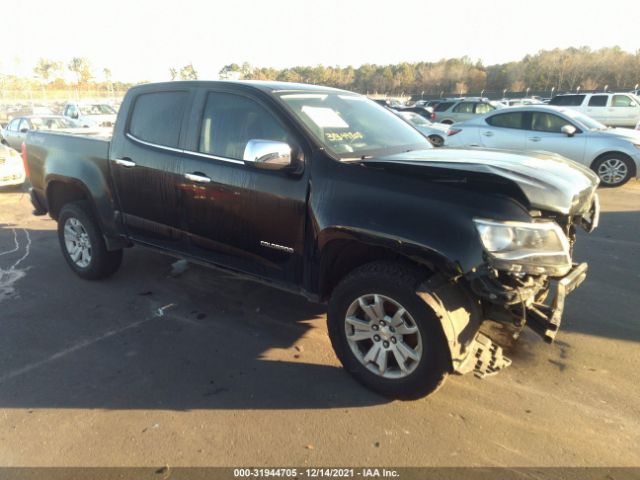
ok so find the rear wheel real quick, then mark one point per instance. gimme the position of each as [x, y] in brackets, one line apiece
[82, 244]
[614, 169]
[385, 335]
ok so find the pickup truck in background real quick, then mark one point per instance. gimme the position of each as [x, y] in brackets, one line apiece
[325, 193]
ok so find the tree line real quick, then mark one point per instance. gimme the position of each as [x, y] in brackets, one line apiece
[557, 69]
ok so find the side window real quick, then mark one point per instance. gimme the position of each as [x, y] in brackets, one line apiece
[507, 120]
[441, 107]
[547, 122]
[13, 126]
[464, 107]
[230, 121]
[483, 108]
[598, 101]
[567, 100]
[622, 101]
[157, 117]
[24, 124]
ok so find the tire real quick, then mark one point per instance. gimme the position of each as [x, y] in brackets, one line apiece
[613, 169]
[80, 236]
[393, 287]
[436, 140]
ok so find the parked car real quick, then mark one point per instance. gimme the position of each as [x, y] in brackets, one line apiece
[614, 153]
[90, 114]
[323, 192]
[425, 112]
[460, 110]
[435, 132]
[11, 167]
[613, 109]
[17, 130]
[388, 102]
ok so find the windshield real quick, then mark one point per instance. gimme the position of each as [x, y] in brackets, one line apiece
[97, 109]
[352, 126]
[53, 123]
[585, 121]
[416, 119]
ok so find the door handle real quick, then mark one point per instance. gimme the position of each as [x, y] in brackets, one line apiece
[197, 177]
[535, 139]
[488, 134]
[125, 162]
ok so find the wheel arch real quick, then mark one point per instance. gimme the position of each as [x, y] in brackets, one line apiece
[63, 190]
[347, 251]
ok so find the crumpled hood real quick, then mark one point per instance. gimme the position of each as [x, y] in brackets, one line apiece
[549, 181]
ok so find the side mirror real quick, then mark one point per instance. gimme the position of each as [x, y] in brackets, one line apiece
[267, 154]
[568, 130]
[24, 130]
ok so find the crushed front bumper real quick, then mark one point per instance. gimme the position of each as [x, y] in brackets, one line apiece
[545, 319]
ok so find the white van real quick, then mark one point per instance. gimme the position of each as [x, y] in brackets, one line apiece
[614, 109]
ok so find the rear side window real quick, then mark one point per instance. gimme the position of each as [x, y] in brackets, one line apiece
[157, 117]
[507, 120]
[567, 100]
[483, 108]
[598, 101]
[441, 107]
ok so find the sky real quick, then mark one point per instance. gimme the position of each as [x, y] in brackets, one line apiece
[141, 40]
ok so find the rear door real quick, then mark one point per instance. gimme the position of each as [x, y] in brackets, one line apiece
[503, 130]
[237, 215]
[148, 169]
[544, 133]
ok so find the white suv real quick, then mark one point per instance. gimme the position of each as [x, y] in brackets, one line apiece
[614, 109]
[91, 114]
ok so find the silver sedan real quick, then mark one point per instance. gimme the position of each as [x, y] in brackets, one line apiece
[613, 153]
[435, 132]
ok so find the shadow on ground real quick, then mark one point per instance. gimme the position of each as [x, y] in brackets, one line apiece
[67, 343]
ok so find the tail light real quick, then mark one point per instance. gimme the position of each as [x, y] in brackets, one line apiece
[452, 131]
[23, 153]
[433, 116]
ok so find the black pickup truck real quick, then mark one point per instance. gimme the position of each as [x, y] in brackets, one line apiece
[325, 193]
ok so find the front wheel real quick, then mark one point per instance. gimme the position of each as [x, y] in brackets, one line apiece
[385, 335]
[614, 169]
[82, 244]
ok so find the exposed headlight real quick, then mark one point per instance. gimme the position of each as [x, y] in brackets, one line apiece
[539, 248]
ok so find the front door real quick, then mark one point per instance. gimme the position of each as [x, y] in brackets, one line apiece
[545, 134]
[237, 215]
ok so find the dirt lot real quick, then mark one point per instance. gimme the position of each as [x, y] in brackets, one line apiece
[234, 373]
